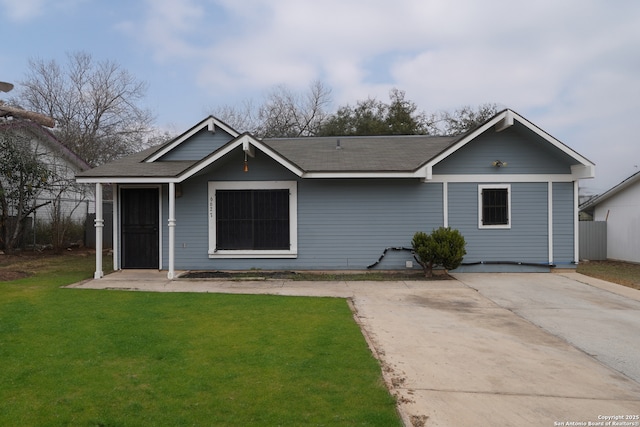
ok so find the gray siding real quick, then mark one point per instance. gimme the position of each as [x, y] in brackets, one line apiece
[524, 152]
[525, 241]
[347, 224]
[563, 224]
[342, 224]
[199, 145]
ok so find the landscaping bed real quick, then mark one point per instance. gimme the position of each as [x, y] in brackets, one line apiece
[386, 275]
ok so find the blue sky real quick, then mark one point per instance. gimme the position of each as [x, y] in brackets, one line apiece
[571, 66]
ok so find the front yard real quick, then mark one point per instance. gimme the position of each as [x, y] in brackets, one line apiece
[104, 358]
[623, 273]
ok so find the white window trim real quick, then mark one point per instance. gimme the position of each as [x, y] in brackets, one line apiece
[482, 187]
[292, 186]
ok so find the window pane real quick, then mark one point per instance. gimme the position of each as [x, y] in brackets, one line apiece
[495, 206]
[252, 219]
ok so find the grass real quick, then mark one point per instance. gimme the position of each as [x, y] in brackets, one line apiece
[73, 357]
[623, 273]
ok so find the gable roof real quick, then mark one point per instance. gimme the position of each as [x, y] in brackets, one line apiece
[393, 153]
[584, 168]
[46, 136]
[626, 183]
[210, 123]
[393, 156]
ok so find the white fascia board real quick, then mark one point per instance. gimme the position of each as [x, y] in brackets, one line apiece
[503, 178]
[346, 175]
[556, 143]
[594, 201]
[127, 180]
[583, 171]
[248, 142]
[503, 121]
[248, 148]
[213, 123]
[210, 123]
[464, 141]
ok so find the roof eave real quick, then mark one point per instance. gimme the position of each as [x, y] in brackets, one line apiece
[594, 201]
[505, 119]
[210, 123]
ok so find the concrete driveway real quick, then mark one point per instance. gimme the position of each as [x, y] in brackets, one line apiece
[485, 349]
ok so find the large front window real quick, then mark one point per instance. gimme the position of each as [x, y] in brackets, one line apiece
[252, 219]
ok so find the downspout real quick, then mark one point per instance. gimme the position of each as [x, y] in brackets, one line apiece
[99, 224]
[172, 229]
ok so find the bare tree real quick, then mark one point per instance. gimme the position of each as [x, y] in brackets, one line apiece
[283, 113]
[94, 104]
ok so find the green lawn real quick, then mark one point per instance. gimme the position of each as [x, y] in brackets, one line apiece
[71, 357]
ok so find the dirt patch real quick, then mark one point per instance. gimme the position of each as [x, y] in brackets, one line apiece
[239, 275]
[21, 264]
[388, 275]
[8, 275]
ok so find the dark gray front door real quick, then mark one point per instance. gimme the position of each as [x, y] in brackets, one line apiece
[140, 227]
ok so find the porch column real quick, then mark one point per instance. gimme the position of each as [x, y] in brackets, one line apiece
[116, 228]
[550, 220]
[576, 222]
[172, 229]
[99, 225]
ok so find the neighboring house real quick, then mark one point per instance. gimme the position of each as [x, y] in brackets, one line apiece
[620, 208]
[65, 196]
[215, 199]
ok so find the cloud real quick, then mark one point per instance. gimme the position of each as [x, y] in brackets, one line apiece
[23, 10]
[571, 66]
[171, 28]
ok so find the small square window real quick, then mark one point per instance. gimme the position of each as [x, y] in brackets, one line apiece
[494, 206]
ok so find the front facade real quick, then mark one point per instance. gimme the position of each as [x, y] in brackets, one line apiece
[214, 199]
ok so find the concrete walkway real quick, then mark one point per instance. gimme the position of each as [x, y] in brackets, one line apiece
[458, 355]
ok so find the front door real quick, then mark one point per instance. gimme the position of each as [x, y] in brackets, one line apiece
[140, 228]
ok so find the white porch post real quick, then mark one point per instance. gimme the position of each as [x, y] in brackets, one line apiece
[576, 222]
[172, 229]
[550, 220]
[99, 224]
[116, 228]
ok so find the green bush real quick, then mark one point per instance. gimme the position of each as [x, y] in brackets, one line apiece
[444, 247]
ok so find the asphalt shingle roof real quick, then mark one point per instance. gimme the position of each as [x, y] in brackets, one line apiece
[404, 153]
[360, 153]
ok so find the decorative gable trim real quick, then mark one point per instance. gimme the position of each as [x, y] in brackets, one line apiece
[247, 143]
[503, 120]
[210, 123]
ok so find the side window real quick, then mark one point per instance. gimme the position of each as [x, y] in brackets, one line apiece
[494, 206]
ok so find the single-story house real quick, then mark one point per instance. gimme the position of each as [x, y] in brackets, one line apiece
[620, 208]
[63, 196]
[217, 199]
